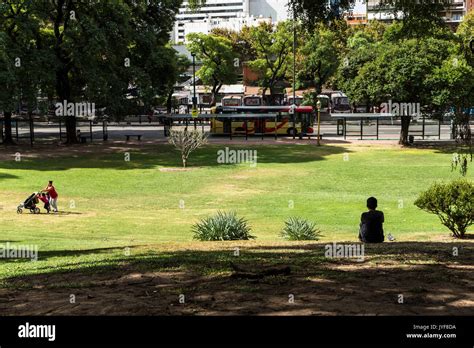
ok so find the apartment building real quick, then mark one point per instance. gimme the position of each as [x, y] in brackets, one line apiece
[453, 13]
[231, 14]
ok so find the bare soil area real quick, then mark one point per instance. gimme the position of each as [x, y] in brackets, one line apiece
[410, 278]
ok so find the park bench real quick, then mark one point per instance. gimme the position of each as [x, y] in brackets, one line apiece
[314, 135]
[128, 136]
[83, 138]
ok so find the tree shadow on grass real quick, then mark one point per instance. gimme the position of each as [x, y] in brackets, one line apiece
[45, 255]
[4, 176]
[441, 147]
[398, 251]
[431, 280]
[149, 157]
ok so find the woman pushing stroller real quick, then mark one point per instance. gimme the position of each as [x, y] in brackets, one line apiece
[48, 196]
[50, 191]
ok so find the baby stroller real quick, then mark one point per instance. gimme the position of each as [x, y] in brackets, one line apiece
[29, 203]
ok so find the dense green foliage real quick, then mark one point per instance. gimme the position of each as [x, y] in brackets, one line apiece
[273, 47]
[373, 64]
[217, 58]
[87, 51]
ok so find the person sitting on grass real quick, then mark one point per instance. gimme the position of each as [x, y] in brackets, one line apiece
[371, 224]
[45, 199]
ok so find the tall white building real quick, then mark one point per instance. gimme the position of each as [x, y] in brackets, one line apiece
[357, 14]
[231, 14]
[188, 21]
[275, 9]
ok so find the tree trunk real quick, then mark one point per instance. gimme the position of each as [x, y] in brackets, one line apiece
[169, 102]
[272, 96]
[463, 133]
[215, 92]
[213, 96]
[264, 95]
[32, 128]
[64, 93]
[319, 89]
[404, 130]
[71, 136]
[8, 138]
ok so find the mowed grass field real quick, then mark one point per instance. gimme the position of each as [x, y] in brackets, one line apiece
[108, 204]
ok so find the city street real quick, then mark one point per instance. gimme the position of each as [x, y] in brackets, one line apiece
[116, 132]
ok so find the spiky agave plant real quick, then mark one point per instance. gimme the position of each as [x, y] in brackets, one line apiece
[297, 228]
[222, 226]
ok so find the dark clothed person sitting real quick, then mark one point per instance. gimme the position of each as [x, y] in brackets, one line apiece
[371, 224]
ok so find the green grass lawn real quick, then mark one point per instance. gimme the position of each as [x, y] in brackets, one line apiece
[106, 202]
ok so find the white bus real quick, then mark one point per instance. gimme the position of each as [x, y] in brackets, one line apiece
[252, 100]
[231, 101]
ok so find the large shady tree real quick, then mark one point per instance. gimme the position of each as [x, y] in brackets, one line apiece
[401, 71]
[24, 60]
[93, 51]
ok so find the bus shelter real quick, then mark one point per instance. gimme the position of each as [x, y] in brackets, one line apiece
[53, 128]
[375, 120]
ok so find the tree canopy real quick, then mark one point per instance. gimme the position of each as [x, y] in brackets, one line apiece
[273, 46]
[217, 58]
[87, 51]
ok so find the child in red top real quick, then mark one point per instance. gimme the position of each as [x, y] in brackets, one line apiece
[45, 199]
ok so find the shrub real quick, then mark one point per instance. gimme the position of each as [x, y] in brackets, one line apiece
[453, 203]
[222, 226]
[300, 229]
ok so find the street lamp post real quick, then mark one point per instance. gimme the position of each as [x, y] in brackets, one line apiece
[294, 54]
[318, 106]
[194, 81]
[194, 112]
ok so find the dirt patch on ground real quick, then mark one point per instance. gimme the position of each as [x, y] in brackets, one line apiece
[394, 279]
[173, 170]
[58, 150]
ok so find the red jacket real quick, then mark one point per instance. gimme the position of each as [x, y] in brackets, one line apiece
[52, 192]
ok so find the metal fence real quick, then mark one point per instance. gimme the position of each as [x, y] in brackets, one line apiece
[25, 131]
